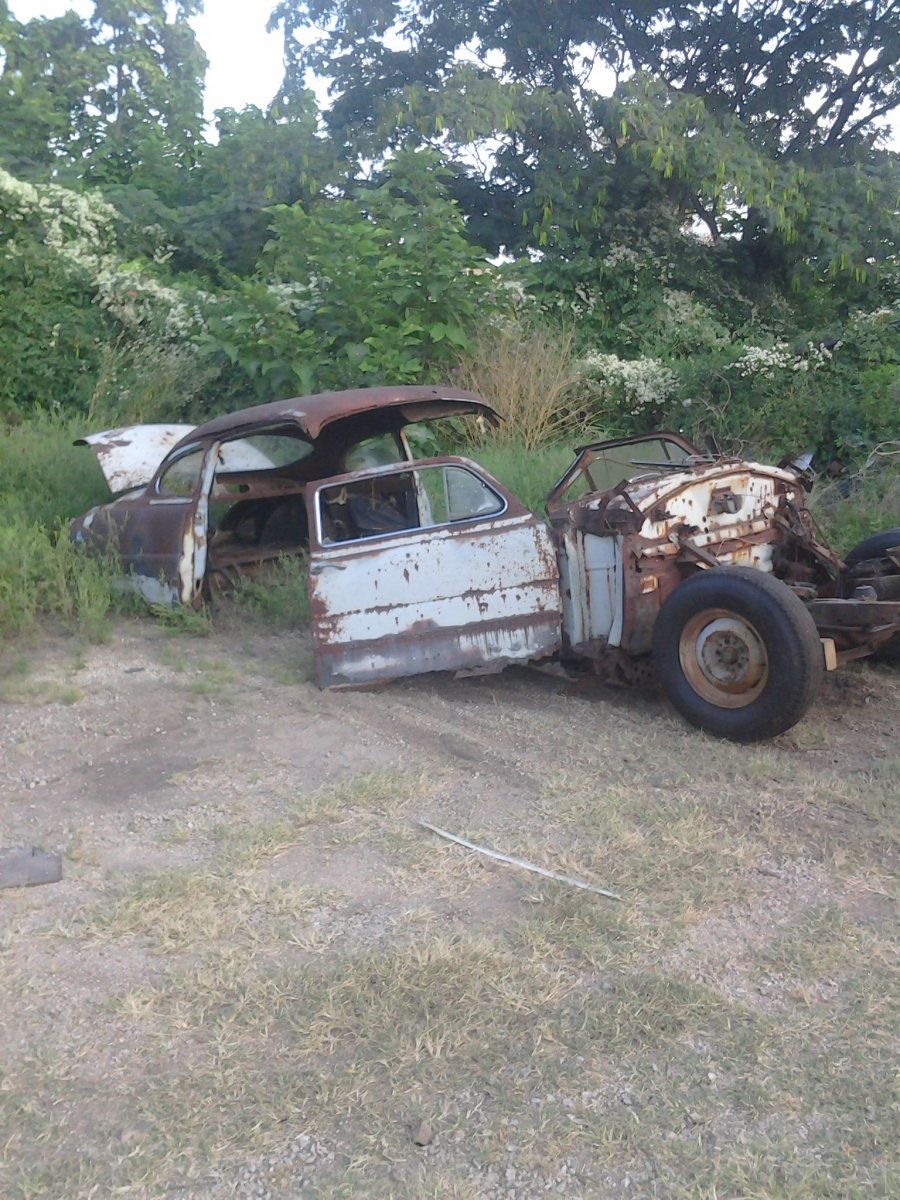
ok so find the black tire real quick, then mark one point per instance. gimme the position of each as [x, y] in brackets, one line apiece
[870, 548]
[875, 546]
[738, 653]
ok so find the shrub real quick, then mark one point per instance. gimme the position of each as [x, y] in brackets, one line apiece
[530, 374]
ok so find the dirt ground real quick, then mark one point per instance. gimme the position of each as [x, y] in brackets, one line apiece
[259, 977]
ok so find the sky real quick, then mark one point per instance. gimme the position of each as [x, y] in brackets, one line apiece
[245, 65]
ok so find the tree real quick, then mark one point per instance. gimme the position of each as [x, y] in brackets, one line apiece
[49, 69]
[114, 99]
[731, 109]
[258, 160]
[150, 103]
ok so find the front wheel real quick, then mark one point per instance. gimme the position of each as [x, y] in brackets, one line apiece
[737, 653]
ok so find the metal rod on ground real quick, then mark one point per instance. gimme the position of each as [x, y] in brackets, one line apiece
[520, 862]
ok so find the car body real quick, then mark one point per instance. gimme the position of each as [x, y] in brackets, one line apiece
[705, 567]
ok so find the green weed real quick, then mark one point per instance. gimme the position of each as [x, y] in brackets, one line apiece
[848, 513]
[179, 618]
[278, 596]
[529, 474]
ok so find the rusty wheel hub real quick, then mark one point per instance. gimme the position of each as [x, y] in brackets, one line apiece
[723, 658]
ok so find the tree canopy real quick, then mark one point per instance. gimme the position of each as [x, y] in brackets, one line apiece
[698, 194]
[730, 112]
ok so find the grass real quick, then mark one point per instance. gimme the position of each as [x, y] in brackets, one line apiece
[530, 374]
[850, 511]
[364, 802]
[278, 597]
[178, 910]
[39, 691]
[528, 474]
[653, 1047]
[476, 1035]
[44, 480]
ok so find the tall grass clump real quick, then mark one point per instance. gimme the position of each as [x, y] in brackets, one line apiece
[43, 573]
[45, 480]
[278, 595]
[531, 375]
[849, 510]
[529, 474]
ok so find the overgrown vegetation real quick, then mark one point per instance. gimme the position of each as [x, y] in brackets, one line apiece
[690, 251]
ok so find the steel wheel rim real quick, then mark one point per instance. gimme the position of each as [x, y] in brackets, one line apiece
[723, 658]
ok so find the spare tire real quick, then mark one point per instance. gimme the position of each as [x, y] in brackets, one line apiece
[875, 546]
[870, 550]
[738, 653]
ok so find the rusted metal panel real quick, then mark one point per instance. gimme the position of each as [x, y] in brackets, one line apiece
[857, 626]
[130, 456]
[313, 413]
[437, 648]
[449, 598]
[573, 585]
[161, 541]
[708, 514]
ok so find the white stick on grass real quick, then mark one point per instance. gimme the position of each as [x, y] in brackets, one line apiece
[520, 862]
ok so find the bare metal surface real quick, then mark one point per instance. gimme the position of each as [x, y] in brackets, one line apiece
[129, 456]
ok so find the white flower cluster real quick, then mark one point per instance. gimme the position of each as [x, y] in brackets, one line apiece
[767, 360]
[137, 300]
[876, 315]
[295, 297]
[79, 227]
[623, 254]
[641, 383]
[763, 360]
[68, 217]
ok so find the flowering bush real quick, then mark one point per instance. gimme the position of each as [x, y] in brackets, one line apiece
[68, 295]
[627, 393]
[767, 361]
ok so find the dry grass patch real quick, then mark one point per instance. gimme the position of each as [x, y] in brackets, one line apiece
[361, 806]
[726, 1031]
[823, 943]
[531, 376]
[39, 691]
[183, 910]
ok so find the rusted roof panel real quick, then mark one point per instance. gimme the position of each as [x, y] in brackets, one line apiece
[313, 413]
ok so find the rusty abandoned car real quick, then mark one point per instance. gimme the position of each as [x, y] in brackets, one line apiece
[705, 570]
